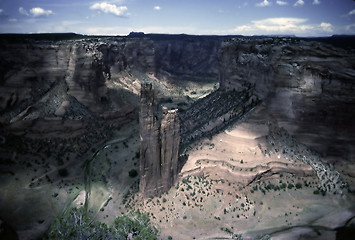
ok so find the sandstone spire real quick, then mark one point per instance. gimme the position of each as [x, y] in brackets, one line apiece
[159, 149]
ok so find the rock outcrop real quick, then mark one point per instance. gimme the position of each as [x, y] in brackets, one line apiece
[159, 145]
[307, 87]
[168, 57]
[214, 112]
[170, 144]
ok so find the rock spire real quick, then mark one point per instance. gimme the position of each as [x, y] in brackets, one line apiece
[159, 145]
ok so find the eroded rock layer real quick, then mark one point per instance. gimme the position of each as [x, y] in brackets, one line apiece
[170, 143]
[307, 88]
[211, 114]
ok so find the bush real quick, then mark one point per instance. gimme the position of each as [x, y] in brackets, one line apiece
[74, 225]
[133, 173]
[298, 185]
[63, 172]
[290, 186]
[136, 225]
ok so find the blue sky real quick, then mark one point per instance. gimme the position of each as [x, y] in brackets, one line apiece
[119, 17]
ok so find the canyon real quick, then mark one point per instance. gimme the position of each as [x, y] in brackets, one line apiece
[201, 118]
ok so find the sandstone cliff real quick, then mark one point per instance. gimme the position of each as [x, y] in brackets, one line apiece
[307, 87]
[304, 84]
[170, 144]
[167, 57]
[214, 112]
[159, 145]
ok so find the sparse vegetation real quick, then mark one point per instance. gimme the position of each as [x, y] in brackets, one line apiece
[133, 173]
[76, 225]
[63, 172]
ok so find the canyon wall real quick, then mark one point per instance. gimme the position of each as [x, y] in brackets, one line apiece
[64, 89]
[168, 57]
[307, 86]
[159, 145]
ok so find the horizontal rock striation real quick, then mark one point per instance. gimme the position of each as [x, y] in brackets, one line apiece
[281, 142]
[308, 84]
[307, 87]
[271, 63]
[168, 57]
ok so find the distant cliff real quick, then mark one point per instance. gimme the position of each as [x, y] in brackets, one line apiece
[164, 56]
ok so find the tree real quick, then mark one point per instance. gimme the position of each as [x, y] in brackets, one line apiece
[136, 226]
[74, 224]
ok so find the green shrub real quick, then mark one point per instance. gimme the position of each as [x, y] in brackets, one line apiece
[63, 172]
[136, 225]
[133, 173]
[74, 225]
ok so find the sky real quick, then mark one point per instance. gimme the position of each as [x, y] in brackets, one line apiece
[201, 17]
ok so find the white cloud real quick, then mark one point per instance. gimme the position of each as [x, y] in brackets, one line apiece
[316, 2]
[327, 27]
[352, 12]
[265, 3]
[157, 8]
[12, 20]
[245, 4]
[350, 29]
[23, 11]
[119, 11]
[35, 12]
[243, 29]
[299, 3]
[38, 12]
[280, 24]
[284, 26]
[2, 12]
[281, 3]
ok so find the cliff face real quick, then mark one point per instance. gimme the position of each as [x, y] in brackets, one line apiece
[38, 68]
[159, 145]
[150, 148]
[273, 63]
[214, 112]
[306, 86]
[170, 143]
[166, 57]
[55, 94]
